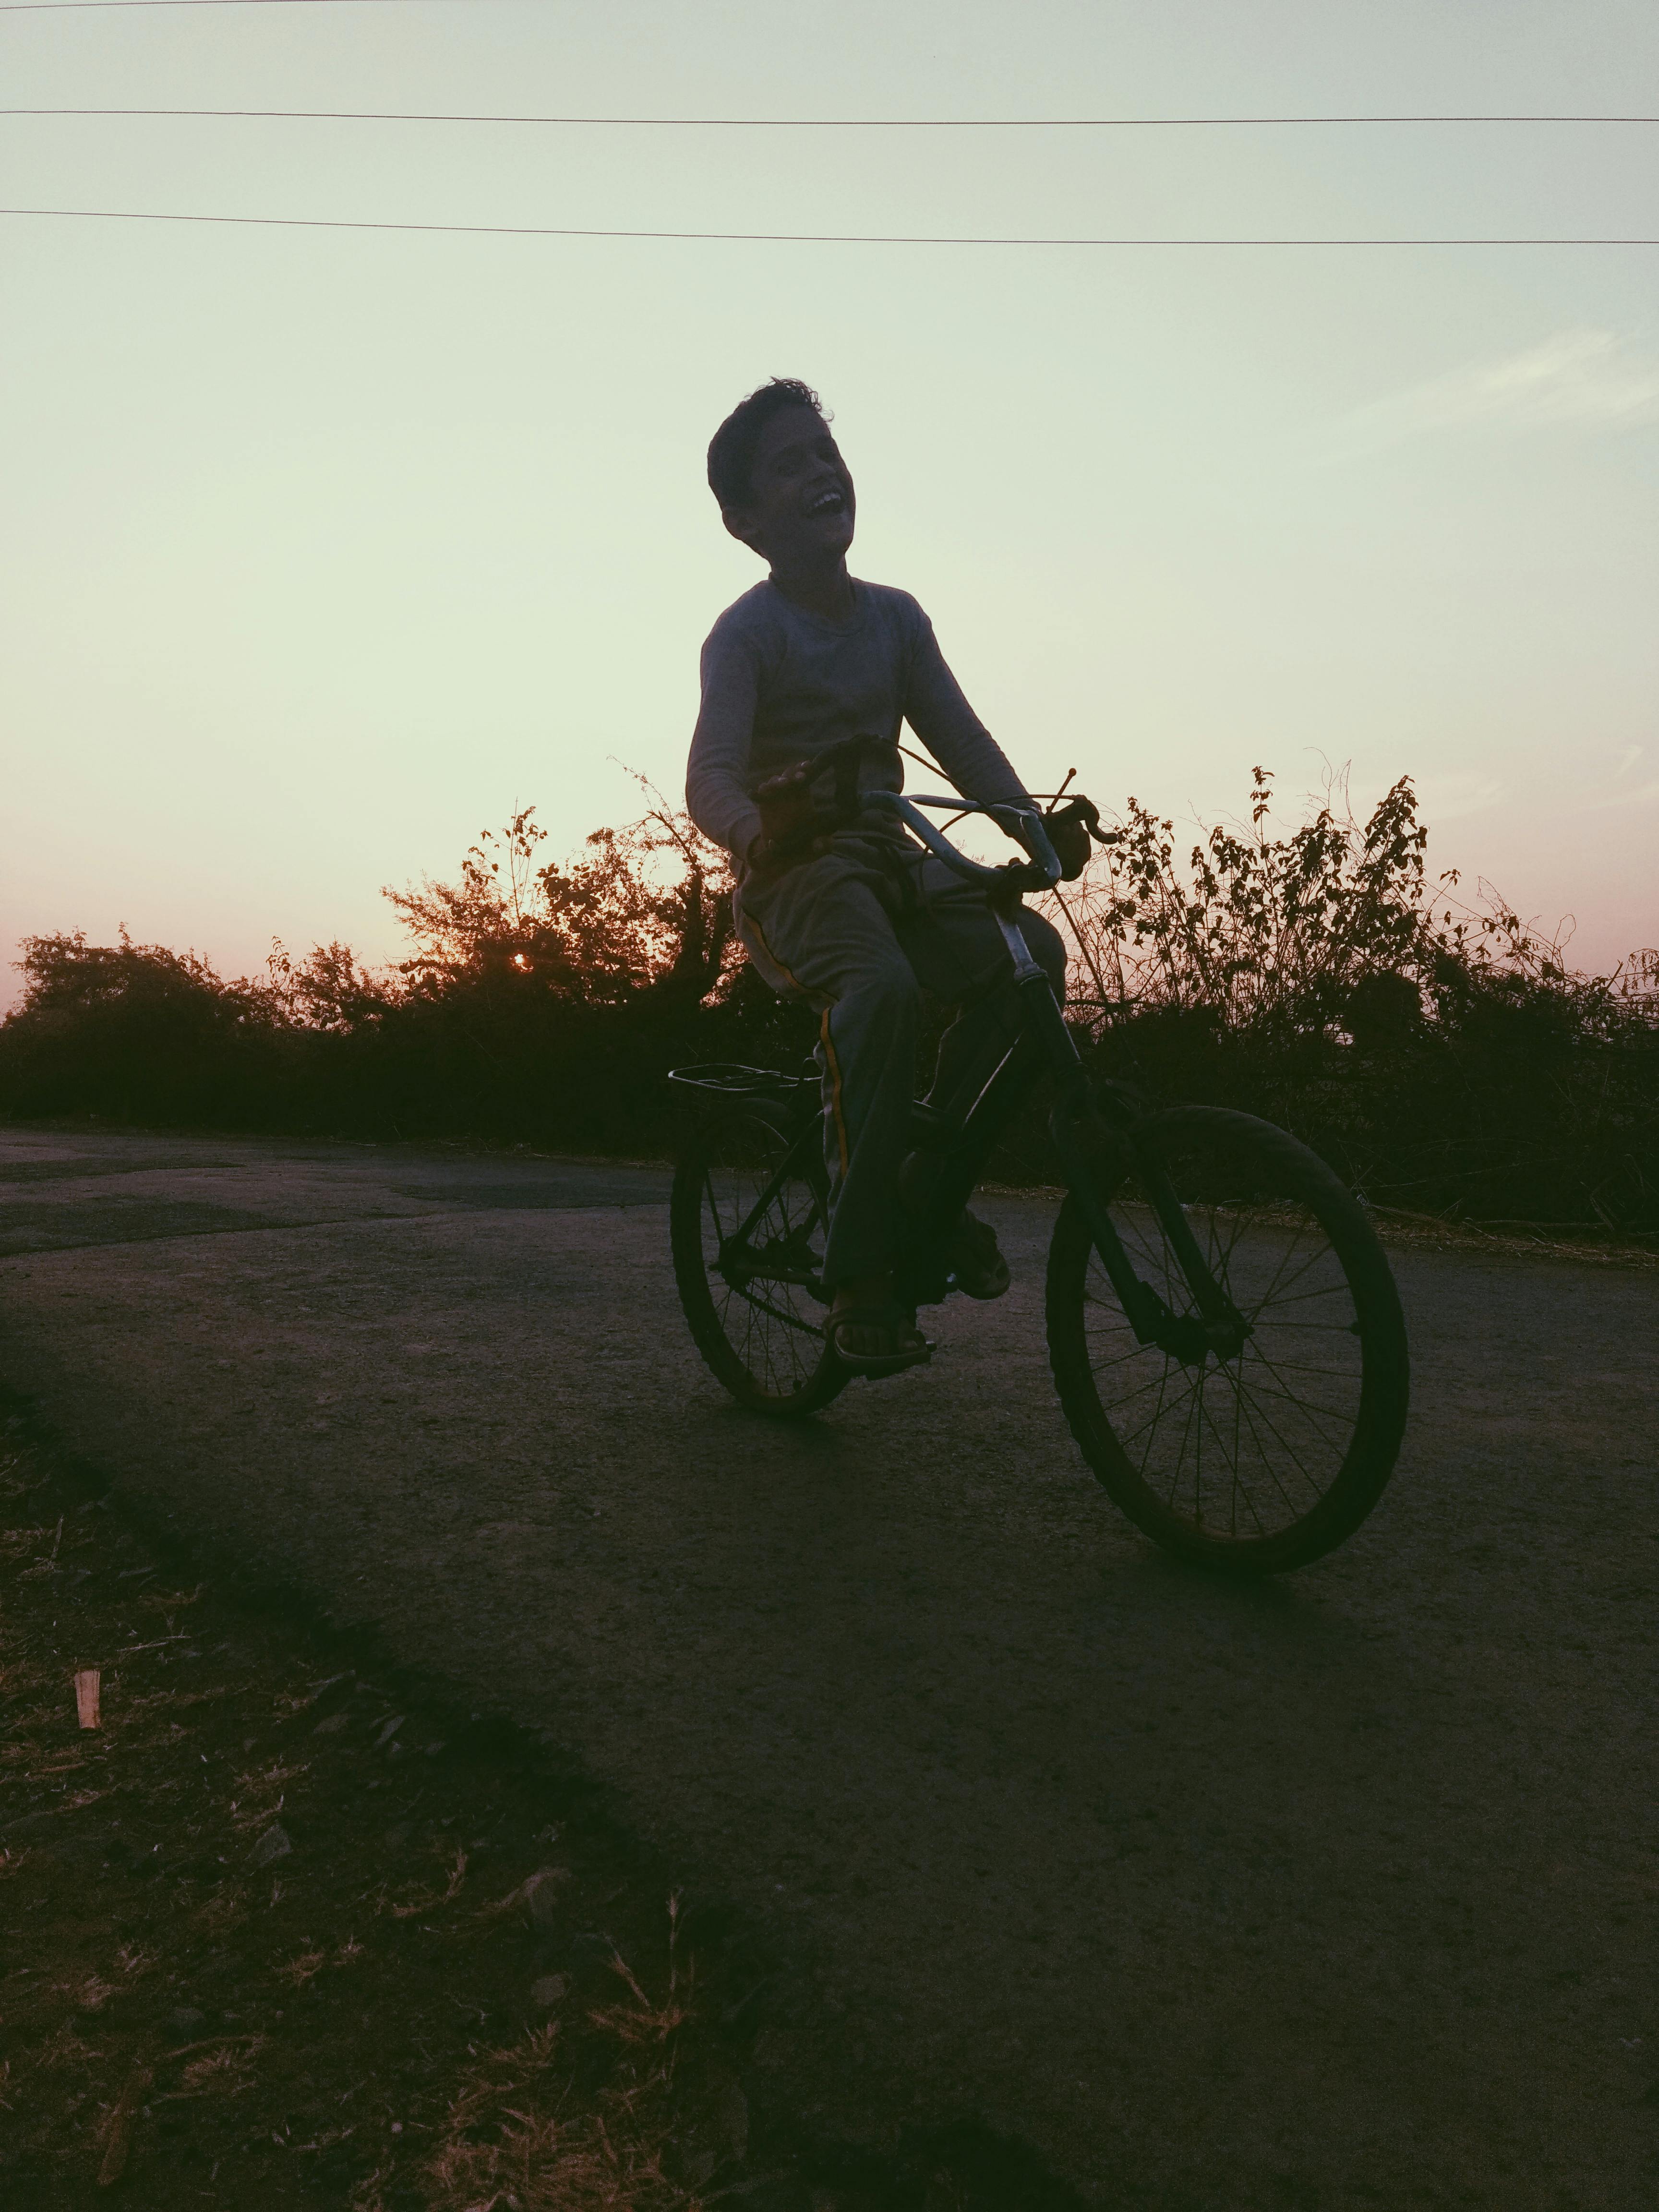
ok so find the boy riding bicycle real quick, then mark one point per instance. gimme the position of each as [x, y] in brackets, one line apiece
[855, 920]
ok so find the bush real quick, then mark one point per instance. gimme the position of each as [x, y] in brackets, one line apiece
[1441, 1057]
[1444, 1058]
[539, 1003]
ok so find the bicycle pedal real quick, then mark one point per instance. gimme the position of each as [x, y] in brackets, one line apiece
[893, 1374]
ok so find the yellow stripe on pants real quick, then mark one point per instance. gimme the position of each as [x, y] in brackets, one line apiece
[835, 1087]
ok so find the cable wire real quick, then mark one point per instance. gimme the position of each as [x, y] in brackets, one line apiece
[762, 237]
[806, 122]
[69, 6]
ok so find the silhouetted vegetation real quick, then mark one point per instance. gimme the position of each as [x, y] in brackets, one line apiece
[1445, 1057]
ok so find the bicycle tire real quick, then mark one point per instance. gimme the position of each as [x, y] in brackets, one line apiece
[762, 1339]
[1300, 1451]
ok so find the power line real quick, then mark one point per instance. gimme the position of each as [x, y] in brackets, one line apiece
[792, 122]
[68, 6]
[764, 237]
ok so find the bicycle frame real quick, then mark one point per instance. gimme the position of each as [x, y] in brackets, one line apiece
[1221, 1327]
[961, 1148]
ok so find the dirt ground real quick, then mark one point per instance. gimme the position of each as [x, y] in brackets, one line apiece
[1334, 1895]
[280, 1933]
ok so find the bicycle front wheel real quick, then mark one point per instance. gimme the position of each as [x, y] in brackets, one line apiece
[747, 1219]
[1271, 1456]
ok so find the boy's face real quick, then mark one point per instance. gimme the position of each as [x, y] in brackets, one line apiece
[801, 505]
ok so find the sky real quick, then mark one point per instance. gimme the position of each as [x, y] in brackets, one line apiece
[328, 549]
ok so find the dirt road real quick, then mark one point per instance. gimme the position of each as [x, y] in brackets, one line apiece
[1337, 1893]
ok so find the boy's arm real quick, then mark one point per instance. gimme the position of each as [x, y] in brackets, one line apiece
[716, 777]
[936, 709]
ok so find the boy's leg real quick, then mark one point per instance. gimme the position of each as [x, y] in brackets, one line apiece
[822, 930]
[958, 952]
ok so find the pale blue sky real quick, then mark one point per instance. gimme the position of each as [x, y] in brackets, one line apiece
[326, 549]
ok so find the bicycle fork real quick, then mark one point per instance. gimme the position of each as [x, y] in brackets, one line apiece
[1217, 1327]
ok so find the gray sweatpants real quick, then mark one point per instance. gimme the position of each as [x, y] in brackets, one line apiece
[860, 932]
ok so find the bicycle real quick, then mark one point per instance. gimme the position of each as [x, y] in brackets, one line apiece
[1223, 1325]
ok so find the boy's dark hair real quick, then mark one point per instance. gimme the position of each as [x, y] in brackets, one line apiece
[731, 448]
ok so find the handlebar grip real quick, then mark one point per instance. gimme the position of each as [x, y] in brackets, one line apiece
[1085, 812]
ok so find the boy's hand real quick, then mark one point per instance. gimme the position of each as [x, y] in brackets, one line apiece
[1071, 842]
[1069, 829]
[786, 805]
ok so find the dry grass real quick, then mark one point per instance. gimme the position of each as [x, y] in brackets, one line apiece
[225, 2069]
[355, 2024]
[1517, 1240]
[514, 2138]
[511, 2140]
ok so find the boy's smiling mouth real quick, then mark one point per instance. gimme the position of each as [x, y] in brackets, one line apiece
[831, 501]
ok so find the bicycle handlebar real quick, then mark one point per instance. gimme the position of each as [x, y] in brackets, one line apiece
[1040, 871]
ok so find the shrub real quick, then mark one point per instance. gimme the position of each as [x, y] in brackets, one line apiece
[1441, 1054]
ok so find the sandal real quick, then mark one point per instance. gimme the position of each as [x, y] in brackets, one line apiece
[977, 1265]
[888, 1319]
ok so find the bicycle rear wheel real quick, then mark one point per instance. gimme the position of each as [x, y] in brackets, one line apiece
[1271, 1455]
[747, 1218]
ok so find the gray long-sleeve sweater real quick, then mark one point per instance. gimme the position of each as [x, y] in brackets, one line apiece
[780, 685]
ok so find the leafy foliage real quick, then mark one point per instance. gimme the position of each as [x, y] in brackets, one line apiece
[643, 908]
[1441, 1054]
[1256, 925]
[1444, 1055]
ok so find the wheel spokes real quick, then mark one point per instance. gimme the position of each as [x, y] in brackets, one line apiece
[770, 1322]
[1243, 1445]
